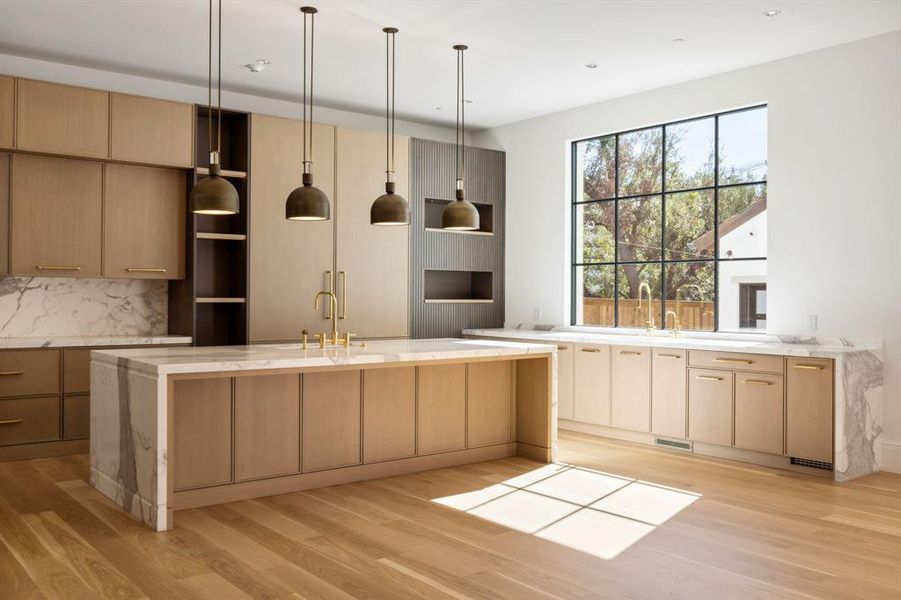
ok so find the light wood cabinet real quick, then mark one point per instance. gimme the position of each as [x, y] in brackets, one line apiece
[4, 213]
[7, 111]
[591, 384]
[389, 414]
[331, 420]
[630, 397]
[56, 207]
[29, 420]
[267, 426]
[489, 414]
[441, 408]
[151, 131]
[759, 410]
[372, 261]
[763, 363]
[710, 406]
[202, 439]
[76, 370]
[144, 222]
[565, 380]
[809, 408]
[668, 392]
[76, 417]
[289, 260]
[62, 119]
[29, 372]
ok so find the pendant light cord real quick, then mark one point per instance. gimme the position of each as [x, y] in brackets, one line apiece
[209, 87]
[460, 137]
[457, 118]
[312, 50]
[304, 57]
[390, 102]
[219, 89]
[308, 107]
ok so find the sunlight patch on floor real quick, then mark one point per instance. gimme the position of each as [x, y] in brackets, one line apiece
[601, 514]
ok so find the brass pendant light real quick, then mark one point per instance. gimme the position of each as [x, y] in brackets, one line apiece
[214, 195]
[390, 208]
[460, 215]
[308, 202]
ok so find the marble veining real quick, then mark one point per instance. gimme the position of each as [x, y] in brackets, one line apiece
[50, 307]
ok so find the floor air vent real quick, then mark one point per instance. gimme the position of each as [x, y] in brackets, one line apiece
[673, 444]
[811, 464]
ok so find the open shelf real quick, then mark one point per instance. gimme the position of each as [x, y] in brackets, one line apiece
[235, 237]
[458, 287]
[221, 324]
[214, 300]
[435, 207]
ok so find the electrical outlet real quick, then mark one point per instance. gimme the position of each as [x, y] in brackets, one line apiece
[812, 323]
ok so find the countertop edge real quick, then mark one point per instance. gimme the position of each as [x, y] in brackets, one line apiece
[92, 341]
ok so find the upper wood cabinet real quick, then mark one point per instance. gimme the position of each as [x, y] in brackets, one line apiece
[631, 388]
[4, 213]
[151, 131]
[144, 222]
[591, 384]
[290, 261]
[56, 208]
[809, 408]
[62, 119]
[372, 261]
[668, 392]
[7, 111]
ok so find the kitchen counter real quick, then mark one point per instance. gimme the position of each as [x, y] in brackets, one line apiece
[177, 428]
[88, 341]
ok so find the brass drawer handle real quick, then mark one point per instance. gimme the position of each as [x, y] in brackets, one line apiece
[591, 350]
[630, 352]
[562, 347]
[708, 378]
[58, 267]
[6, 373]
[734, 361]
[146, 270]
[11, 421]
[808, 367]
[669, 356]
[757, 382]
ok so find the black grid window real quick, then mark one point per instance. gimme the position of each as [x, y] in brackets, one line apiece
[677, 210]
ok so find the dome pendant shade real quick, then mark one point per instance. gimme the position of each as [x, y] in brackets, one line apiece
[307, 203]
[460, 215]
[390, 208]
[214, 195]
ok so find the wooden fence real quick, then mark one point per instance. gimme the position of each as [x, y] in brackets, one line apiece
[693, 316]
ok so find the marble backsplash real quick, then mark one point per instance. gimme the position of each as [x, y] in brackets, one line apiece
[52, 306]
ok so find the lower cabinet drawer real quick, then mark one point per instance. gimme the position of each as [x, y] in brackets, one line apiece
[759, 412]
[29, 372]
[760, 363]
[24, 420]
[77, 417]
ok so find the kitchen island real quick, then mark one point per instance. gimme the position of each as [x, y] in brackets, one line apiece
[178, 428]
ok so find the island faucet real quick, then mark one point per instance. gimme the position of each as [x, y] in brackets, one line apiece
[649, 324]
[333, 299]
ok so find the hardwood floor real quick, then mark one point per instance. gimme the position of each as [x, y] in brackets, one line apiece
[752, 533]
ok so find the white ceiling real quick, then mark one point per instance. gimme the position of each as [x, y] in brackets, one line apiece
[526, 58]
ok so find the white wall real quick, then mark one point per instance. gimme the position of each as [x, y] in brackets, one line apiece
[158, 88]
[834, 201]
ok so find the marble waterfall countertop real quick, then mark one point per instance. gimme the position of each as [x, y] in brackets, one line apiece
[166, 361]
[753, 343]
[91, 340]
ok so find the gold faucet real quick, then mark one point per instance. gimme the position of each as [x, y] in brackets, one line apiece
[333, 299]
[649, 324]
[677, 328]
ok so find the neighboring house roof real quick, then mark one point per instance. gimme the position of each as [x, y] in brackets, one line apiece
[705, 242]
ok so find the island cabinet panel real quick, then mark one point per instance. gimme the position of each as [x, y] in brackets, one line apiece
[534, 395]
[56, 207]
[76, 417]
[373, 262]
[7, 111]
[631, 388]
[591, 384]
[809, 408]
[29, 372]
[24, 420]
[144, 222]
[710, 406]
[565, 381]
[331, 420]
[441, 408]
[151, 131]
[489, 416]
[759, 410]
[202, 444]
[62, 119]
[389, 414]
[267, 426]
[668, 393]
[290, 261]
[4, 213]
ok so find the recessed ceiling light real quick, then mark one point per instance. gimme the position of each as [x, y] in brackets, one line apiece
[772, 13]
[437, 108]
[591, 65]
[258, 65]
[678, 40]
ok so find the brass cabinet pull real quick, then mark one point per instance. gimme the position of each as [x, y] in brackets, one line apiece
[58, 267]
[757, 382]
[735, 361]
[343, 314]
[808, 367]
[331, 288]
[145, 269]
[10, 421]
[5, 373]
[669, 356]
[562, 347]
[591, 350]
[630, 352]
[708, 378]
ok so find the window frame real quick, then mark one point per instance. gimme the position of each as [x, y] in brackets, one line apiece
[577, 253]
